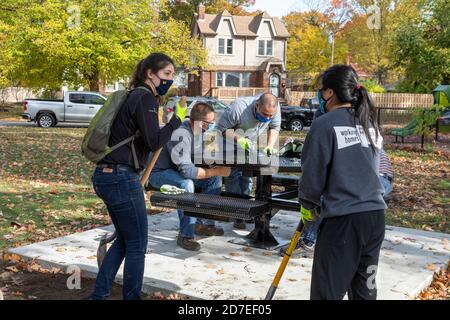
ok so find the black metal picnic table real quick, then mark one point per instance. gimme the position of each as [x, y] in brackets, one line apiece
[228, 207]
[264, 169]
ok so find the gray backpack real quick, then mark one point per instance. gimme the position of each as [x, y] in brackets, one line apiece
[95, 142]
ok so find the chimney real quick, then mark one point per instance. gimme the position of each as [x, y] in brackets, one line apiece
[201, 12]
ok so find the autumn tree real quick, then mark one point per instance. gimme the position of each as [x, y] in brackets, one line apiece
[309, 50]
[421, 47]
[88, 43]
[184, 10]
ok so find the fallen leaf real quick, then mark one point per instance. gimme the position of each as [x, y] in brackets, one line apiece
[431, 266]
[234, 254]
[61, 249]
[92, 257]
[220, 271]
[247, 249]
[12, 269]
[11, 257]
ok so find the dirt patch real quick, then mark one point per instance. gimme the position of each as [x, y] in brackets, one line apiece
[21, 280]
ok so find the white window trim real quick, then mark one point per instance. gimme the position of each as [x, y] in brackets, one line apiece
[226, 40]
[265, 47]
[241, 78]
[271, 25]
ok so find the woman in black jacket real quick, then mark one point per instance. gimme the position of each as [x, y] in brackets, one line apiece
[116, 178]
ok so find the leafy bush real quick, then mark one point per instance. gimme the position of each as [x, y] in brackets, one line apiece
[426, 118]
[373, 86]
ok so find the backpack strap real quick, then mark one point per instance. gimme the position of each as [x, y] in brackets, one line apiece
[131, 139]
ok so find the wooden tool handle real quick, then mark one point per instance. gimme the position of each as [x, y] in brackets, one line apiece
[150, 166]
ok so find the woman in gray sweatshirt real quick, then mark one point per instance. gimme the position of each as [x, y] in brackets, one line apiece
[340, 164]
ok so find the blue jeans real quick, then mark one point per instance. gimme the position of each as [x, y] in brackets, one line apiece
[172, 177]
[387, 186]
[237, 183]
[123, 195]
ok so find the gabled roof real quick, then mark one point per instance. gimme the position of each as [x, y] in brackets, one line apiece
[244, 25]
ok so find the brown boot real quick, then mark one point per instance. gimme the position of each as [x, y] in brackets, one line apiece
[239, 224]
[188, 243]
[207, 230]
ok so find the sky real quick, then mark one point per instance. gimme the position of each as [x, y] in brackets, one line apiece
[278, 8]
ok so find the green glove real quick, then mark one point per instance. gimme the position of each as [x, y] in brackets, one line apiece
[168, 189]
[181, 112]
[307, 215]
[244, 143]
[270, 150]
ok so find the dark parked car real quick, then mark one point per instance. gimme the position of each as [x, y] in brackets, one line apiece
[294, 118]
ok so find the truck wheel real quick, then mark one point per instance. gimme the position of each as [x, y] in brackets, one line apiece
[296, 125]
[46, 120]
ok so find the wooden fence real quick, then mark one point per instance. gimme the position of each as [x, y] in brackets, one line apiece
[382, 100]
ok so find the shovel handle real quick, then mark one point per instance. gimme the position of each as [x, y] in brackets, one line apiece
[150, 166]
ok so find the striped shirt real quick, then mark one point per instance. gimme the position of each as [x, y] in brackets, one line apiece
[385, 165]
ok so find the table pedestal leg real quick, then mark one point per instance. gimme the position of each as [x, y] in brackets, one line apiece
[261, 237]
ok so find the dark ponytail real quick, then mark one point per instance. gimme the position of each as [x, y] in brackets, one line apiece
[153, 62]
[344, 81]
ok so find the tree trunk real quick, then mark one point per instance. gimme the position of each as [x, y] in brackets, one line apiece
[94, 82]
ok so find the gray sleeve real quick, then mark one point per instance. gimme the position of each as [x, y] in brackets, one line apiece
[276, 121]
[232, 117]
[180, 150]
[316, 157]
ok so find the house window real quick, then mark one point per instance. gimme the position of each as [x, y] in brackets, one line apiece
[261, 47]
[269, 47]
[245, 80]
[265, 47]
[219, 81]
[232, 79]
[225, 46]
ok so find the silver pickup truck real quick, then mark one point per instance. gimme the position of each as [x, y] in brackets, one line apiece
[77, 106]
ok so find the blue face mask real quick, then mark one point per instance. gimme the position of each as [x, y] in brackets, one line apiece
[322, 102]
[211, 127]
[261, 118]
[164, 86]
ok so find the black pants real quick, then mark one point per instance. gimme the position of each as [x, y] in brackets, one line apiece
[346, 256]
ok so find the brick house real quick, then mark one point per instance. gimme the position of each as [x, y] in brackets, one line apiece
[243, 52]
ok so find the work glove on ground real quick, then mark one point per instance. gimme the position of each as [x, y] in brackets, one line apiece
[169, 189]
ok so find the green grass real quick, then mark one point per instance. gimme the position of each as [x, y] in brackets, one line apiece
[45, 188]
[44, 185]
[421, 195]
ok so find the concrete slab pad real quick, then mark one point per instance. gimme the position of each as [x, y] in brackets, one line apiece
[221, 270]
